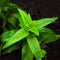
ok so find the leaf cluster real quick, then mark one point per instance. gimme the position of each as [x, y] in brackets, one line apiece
[25, 32]
[7, 12]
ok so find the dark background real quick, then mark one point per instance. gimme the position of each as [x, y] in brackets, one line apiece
[40, 9]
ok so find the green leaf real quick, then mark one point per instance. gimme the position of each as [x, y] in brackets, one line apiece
[12, 5]
[26, 53]
[25, 19]
[44, 22]
[43, 53]
[34, 30]
[17, 15]
[36, 25]
[0, 9]
[34, 46]
[11, 49]
[18, 36]
[29, 17]
[6, 35]
[12, 20]
[47, 36]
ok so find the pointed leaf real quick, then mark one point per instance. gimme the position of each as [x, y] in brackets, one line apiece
[26, 53]
[6, 35]
[25, 19]
[47, 36]
[19, 35]
[29, 17]
[44, 22]
[11, 49]
[34, 46]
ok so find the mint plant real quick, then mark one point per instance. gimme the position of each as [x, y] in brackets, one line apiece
[7, 20]
[31, 34]
[7, 11]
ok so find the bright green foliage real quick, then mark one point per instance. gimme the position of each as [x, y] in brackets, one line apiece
[19, 35]
[26, 53]
[5, 36]
[34, 46]
[33, 31]
[25, 19]
[43, 22]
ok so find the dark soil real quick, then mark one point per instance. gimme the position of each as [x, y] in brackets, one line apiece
[40, 9]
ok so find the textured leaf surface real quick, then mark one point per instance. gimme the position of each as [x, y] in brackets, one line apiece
[35, 47]
[34, 30]
[44, 22]
[47, 36]
[25, 19]
[26, 53]
[19, 35]
[5, 36]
